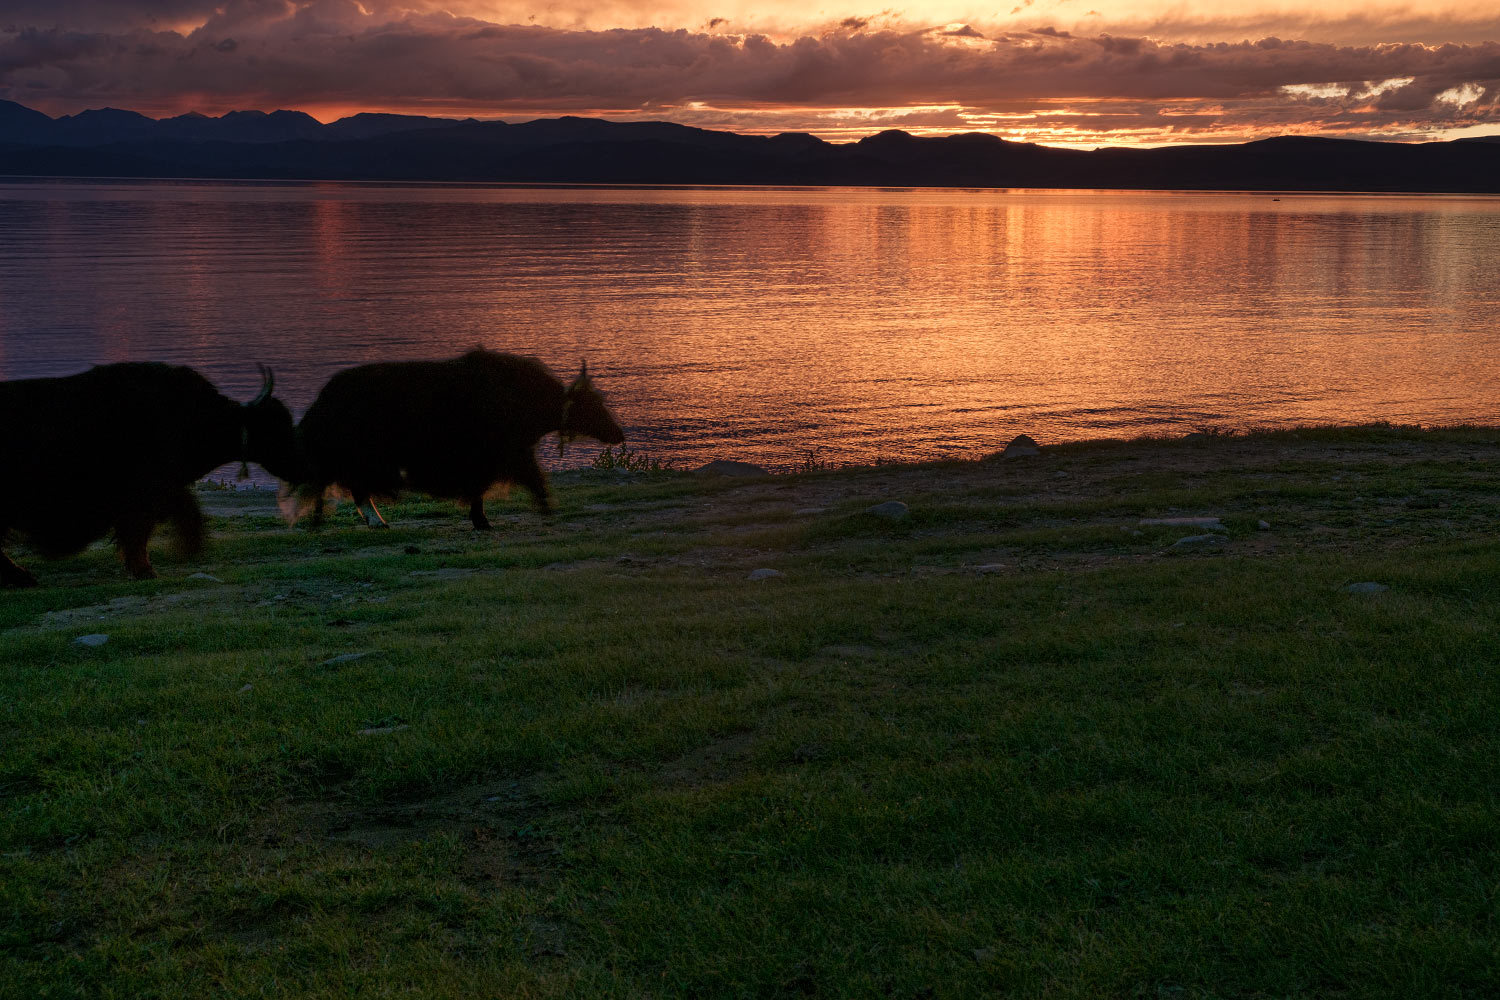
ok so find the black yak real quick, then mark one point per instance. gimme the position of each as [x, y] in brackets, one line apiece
[117, 448]
[450, 429]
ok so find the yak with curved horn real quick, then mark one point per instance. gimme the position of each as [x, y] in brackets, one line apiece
[116, 449]
[451, 429]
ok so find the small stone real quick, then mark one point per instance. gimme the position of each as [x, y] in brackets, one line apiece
[205, 576]
[1198, 541]
[382, 730]
[247, 688]
[764, 574]
[93, 640]
[1368, 587]
[1263, 525]
[345, 658]
[893, 510]
[726, 467]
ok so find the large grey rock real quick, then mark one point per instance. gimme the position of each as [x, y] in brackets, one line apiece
[891, 510]
[334, 661]
[93, 641]
[1198, 542]
[1368, 587]
[1022, 446]
[726, 467]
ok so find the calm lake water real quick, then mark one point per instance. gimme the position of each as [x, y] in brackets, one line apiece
[761, 323]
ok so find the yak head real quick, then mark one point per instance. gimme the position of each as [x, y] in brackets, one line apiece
[267, 435]
[585, 415]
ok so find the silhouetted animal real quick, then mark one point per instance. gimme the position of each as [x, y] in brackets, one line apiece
[116, 448]
[447, 428]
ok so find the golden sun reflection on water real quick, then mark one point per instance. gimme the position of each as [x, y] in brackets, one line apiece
[758, 324]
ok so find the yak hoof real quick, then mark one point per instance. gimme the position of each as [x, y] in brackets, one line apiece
[145, 572]
[483, 526]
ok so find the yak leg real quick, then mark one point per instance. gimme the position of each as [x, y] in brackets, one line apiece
[317, 512]
[531, 476]
[132, 533]
[186, 519]
[12, 575]
[372, 516]
[476, 514]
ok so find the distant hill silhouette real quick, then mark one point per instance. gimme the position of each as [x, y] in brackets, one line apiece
[292, 145]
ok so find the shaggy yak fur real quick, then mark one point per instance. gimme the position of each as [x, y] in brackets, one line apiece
[450, 429]
[116, 449]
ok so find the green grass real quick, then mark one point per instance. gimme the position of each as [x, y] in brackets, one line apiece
[589, 757]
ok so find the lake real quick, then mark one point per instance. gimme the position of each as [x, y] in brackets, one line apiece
[770, 324]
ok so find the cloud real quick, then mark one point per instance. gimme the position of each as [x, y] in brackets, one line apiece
[339, 53]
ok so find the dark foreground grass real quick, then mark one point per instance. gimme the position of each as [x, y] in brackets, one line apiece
[1012, 745]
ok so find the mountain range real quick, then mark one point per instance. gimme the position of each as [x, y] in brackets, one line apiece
[292, 145]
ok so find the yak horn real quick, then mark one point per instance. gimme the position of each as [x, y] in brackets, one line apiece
[267, 383]
[583, 370]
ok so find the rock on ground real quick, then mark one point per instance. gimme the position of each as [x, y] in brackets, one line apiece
[1022, 446]
[1198, 541]
[893, 510]
[764, 574]
[334, 661]
[1368, 587]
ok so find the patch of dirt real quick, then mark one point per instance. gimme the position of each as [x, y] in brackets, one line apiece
[239, 503]
[851, 652]
[502, 825]
[716, 761]
[134, 606]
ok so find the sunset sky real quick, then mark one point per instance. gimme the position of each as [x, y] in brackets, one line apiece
[1057, 71]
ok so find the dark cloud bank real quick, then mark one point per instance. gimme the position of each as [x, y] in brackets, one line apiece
[321, 55]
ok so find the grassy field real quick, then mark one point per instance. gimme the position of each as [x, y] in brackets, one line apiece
[1015, 743]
